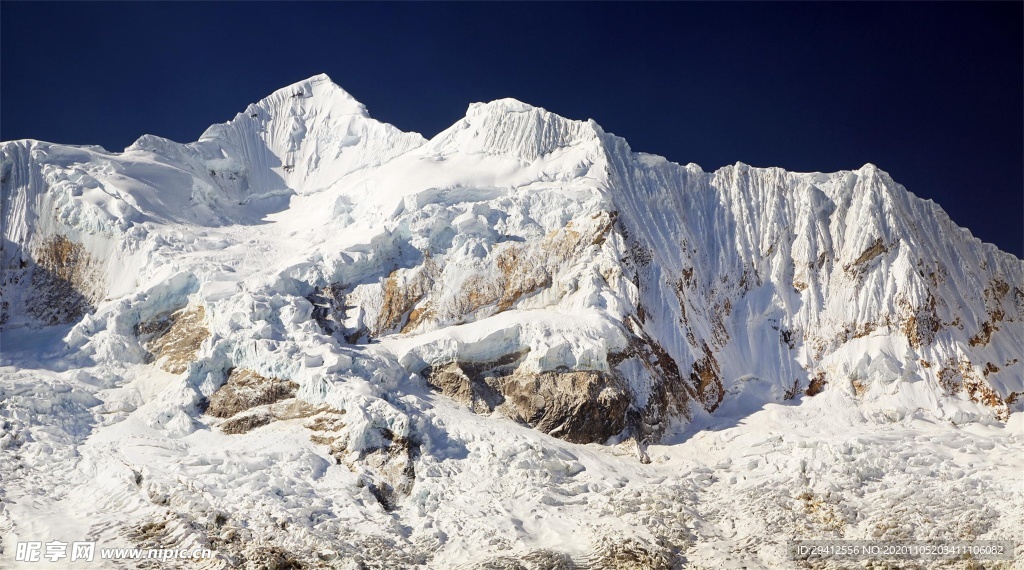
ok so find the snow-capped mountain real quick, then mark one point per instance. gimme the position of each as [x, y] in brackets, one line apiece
[312, 338]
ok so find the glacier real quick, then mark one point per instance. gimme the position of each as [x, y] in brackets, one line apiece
[310, 339]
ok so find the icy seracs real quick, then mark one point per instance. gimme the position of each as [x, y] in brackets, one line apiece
[380, 319]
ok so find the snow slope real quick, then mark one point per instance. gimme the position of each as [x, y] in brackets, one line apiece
[311, 337]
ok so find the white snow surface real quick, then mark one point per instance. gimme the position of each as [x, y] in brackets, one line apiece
[771, 279]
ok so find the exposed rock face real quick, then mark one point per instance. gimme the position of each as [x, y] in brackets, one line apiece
[246, 423]
[578, 406]
[248, 419]
[174, 338]
[581, 406]
[474, 393]
[329, 307]
[248, 400]
[245, 389]
[65, 282]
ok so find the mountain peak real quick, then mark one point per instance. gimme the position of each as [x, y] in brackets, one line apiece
[317, 91]
[513, 128]
[307, 134]
[504, 105]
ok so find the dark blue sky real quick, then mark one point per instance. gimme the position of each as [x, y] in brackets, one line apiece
[932, 93]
